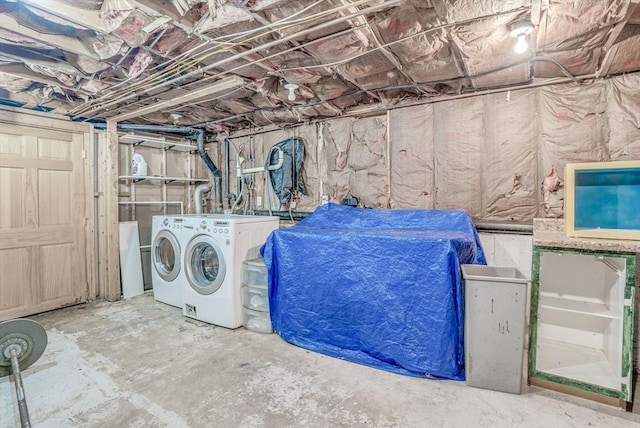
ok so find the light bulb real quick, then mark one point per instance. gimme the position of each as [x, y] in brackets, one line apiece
[521, 45]
[291, 87]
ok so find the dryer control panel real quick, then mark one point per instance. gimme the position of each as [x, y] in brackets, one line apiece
[217, 227]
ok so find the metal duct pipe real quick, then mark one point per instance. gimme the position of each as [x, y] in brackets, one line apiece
[197, 196]
[217, 196]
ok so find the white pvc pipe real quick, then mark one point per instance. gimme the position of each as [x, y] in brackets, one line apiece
[197, 196]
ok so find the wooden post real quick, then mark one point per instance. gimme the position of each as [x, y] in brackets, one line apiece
[111, 290]
[91, 177]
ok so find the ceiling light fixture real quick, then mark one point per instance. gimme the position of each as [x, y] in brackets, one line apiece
[521, 30]
[291, 87]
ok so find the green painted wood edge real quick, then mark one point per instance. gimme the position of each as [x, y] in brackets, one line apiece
[533, 310]
[579, 384]
[628, 326]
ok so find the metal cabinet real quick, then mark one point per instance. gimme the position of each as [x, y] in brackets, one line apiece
[582, 310]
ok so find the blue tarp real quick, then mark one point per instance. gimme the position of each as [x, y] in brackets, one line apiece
[377, 287]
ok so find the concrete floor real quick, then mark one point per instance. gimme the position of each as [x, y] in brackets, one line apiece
[139, 363]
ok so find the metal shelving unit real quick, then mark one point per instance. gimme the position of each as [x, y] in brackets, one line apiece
[165, 144]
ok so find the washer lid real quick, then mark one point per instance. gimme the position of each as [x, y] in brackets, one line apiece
[165, 251]
[204, 263]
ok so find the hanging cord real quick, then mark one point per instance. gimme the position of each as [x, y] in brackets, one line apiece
[267, 174]
[239, 183]
[294, 177]
[249, 181]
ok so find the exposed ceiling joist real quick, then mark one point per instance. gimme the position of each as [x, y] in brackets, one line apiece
[341, 53]
[23, 72]
[219, 87]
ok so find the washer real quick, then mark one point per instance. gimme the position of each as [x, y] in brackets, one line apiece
[169, 235]
[213, 263]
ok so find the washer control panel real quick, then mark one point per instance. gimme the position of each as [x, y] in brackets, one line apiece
[175, 223]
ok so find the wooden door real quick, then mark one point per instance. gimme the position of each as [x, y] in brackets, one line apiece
[43, 257]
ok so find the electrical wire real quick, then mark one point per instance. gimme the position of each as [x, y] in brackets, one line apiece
[178, 68]
[174, 74]
[389, 88]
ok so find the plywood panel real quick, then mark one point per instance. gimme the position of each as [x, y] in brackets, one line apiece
[11, 145]
[54, 197]
[14, 281]
[55, 272]
[45, 201]
[12, 198]
[53, 149]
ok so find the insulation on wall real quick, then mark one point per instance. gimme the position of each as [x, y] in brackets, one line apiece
[459, 140]
[572, 129]
[336, 137]
[412, 157]
[367, 162]
[356, 160]
[500, 156]
[510, 179]
[623, 115]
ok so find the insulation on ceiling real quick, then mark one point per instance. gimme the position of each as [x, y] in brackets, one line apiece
[343, 55]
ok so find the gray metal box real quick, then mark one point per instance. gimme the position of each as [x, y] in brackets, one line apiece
[495, 301]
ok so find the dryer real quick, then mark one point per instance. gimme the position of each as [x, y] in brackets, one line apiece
[212, 264]
[168, 235]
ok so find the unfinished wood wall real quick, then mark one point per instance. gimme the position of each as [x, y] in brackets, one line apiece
[46, 214]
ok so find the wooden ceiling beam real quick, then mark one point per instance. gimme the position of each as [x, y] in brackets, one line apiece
[226, 84]
[21, 71]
